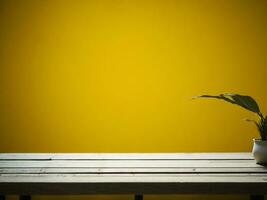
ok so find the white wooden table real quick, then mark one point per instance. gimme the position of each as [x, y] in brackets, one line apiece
[28, 174]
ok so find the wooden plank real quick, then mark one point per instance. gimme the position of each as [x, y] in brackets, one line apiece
[134, 184]
[130, 163]
[132, 188]
[139, 178]
[63, 170]
[128, 156]
[134, 173]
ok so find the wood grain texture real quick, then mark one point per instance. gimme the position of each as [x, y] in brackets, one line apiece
[128, 163]
[140, 170]
[156, 173]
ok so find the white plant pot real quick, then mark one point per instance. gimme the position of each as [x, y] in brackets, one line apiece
[259, 151]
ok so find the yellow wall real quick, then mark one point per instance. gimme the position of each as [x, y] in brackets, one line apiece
[117, 75]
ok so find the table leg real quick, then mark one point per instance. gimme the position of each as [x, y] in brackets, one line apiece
[2, 197]
[257, 197]
[138, 197]
[24, 197]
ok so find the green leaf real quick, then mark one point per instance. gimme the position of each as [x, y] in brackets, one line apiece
[246, 102]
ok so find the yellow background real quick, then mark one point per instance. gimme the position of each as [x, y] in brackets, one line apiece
[118, 75]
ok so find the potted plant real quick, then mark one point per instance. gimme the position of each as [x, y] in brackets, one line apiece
[259, 145]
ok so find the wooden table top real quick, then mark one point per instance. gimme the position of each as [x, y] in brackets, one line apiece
[131, 173]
